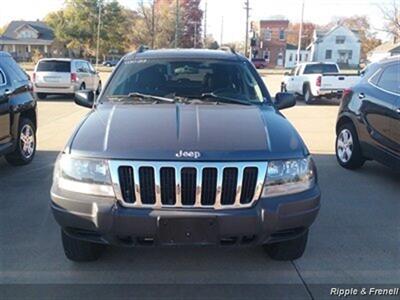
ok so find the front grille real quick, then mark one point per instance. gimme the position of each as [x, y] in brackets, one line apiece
[177, 184]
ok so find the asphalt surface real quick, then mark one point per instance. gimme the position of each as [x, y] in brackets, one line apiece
[355, 240]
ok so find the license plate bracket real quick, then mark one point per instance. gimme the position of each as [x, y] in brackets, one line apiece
[187, 231]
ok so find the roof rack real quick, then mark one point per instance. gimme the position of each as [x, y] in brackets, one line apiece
[227, 49]
[142, 48]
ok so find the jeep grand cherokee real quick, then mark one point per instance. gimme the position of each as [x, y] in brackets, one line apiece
[185, 147]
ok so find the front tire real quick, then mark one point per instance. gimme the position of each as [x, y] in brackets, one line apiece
[288, 250]
[348, 149]
[41, 96]
[26, 145]
[80, 251]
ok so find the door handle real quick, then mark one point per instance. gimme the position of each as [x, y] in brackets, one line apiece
[361, 96]
[8, 92]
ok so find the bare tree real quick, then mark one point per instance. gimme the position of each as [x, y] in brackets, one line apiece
[391, 15]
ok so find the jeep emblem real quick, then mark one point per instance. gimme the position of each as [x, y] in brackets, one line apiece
[188, 154]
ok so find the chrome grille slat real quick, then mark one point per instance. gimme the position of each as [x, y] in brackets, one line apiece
[195, 196]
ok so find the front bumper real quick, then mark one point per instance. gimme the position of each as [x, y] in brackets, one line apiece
[103, 220]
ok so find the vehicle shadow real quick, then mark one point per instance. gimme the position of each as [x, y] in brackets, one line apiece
[57, 98]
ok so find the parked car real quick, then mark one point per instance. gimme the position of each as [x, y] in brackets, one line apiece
[110, 62]
[18, 111]
[185, 147]
[259, 63]
[315, 80]
[368, 124]
[64, 76]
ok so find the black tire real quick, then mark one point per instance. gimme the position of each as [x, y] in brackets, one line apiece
[307, 94]
[356, 159]
[80, 251]
[82, 87]
[41, 96]
[98, 91]
[21, 155]
[288, 250]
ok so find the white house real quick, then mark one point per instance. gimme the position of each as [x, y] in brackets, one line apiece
[340, 45]
[383, 51]
[291, 56]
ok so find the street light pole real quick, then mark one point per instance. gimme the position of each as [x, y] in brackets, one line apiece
[246, 43]
[300, 33]
[177, 25]
[98, 36]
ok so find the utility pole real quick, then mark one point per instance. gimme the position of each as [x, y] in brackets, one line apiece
[177, 25]
[205, 24]
[153, 30]
[300, 33]
[246, 44]
[98, 35]
[222, 32]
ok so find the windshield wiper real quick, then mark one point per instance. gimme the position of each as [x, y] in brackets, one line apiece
[219, 98]
[142, 97]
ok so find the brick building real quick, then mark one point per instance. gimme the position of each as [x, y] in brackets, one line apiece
[271, 43]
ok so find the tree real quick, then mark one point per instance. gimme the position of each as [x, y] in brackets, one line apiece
[361, 25]
[3, 29]
[391, 15]
[191, 24]
[307, 34]
[76, 26]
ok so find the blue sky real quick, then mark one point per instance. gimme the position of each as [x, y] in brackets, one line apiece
[317, 11]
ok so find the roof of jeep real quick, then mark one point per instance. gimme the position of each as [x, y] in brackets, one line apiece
[185, 53]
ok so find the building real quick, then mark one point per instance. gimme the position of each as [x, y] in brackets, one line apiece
[385, 50]
[22, 38]
[291, 56]
[339, 45]
[271, 43]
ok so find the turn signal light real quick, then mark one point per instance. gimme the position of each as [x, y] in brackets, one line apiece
[319, 79]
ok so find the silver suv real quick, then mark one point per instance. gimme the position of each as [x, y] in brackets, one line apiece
[64, 76]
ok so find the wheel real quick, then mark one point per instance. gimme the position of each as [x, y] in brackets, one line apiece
[82, 87]
[288, 250]
[80, 251]
[26, 144]
[348, 150]
[108, 65]
[41, 96]
[308, 97]
[98, 91]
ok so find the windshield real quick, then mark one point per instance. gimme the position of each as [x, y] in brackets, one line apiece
[321, 69]
[184, 78]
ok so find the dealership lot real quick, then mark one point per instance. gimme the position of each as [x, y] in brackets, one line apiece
[355, 240]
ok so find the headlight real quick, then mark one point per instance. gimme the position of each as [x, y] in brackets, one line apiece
[286, 177]
[80, 175]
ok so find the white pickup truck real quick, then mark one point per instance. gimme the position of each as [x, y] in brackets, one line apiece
[315, 80]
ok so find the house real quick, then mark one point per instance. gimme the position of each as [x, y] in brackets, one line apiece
[22, 38]
[291, 56]
[385, 50]
[272, 42]
[339, 45]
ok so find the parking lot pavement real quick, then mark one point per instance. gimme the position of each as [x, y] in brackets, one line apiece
[355, 239]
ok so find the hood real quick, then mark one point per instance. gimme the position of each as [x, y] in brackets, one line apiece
[163, 131]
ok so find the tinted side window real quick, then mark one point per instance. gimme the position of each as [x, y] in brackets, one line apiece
[13, 70]
[2, 78]
[54, 66]
[390, 79]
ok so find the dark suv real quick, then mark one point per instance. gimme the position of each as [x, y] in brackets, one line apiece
[17, 113]
[185, 147]
[368, 125]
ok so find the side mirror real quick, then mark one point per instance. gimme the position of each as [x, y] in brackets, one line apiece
[284, 100]
[84, 98]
